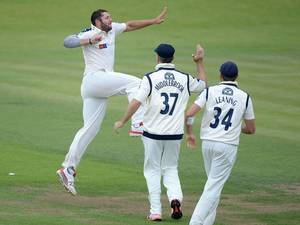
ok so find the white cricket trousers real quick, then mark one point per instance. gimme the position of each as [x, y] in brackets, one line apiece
[161, 160]
[96, 88]
[219, 159]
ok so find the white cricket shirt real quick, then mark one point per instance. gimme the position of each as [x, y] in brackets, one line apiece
[100, 56]
[225, 106]
[165, 93]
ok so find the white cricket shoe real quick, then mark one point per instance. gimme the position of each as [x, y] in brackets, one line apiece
[66, 177]
[154, 217]
[136, 130]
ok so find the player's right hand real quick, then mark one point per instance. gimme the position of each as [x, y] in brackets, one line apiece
[96, 38]
[119, 124]
[199, 53]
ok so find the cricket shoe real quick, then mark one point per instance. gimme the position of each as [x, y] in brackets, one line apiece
[136, 130]
[67, 178]
[154, 217]
[176, 209]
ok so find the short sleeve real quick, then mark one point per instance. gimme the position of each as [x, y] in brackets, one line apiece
[144, 90]
[85, 34]
[201, 100]
[119, 27]
[249, 113]
[196, 85]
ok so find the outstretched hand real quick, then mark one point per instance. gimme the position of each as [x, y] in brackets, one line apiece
[161, 17]
[119, 124]
[199, 53]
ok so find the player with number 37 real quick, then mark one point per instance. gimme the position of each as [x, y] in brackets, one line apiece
[165, 92]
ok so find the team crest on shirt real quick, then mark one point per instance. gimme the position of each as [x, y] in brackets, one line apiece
[169, 76]
[227, 91]
[169, 81]
[101, 46]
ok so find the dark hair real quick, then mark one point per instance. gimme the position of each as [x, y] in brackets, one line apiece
[96, 14]
[229, 71]
[225, 78]
[165, 60]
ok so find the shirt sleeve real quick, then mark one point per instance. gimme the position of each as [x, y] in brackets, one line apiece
[249, 113]
[201, 100]
[72, 41]
[86, 34]
[119, 27]
[144, 90]
[196, 85]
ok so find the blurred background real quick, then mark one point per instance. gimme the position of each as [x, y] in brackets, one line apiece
[41, 110]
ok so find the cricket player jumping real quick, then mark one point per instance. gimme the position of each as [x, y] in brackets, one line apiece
[100, 82]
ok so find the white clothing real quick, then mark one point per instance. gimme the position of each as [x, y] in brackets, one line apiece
[161, 160]
[98, 84]
[225, 108]
[166, 92]
[219, 159]
[95, 90]
[100, 56]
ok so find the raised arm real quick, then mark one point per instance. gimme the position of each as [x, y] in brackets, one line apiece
[198, 57]
[138, 24]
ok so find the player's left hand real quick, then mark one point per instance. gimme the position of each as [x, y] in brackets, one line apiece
[161, 17]
[191, 141]
[199, 54]
[119, 124]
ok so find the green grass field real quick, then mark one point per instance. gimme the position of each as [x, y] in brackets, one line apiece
[41, 109]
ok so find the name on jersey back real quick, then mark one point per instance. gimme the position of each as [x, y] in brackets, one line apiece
[226, 97]
[169, 81]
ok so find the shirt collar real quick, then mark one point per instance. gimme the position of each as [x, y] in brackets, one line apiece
[165, 66]
[232, 83]
[99, 31]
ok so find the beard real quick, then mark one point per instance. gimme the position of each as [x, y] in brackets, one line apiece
[105, 27]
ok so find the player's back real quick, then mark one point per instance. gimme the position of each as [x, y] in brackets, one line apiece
[167, 102]
[223, 113]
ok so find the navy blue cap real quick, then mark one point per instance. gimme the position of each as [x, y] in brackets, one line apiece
[165, 51]
[229, 69]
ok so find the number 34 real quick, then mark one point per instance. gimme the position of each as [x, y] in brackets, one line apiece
[226, 121]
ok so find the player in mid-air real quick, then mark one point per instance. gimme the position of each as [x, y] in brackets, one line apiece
[225, 108]
[165, 93]
[100, 82]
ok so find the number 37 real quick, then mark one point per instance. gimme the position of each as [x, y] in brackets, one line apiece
[167, 109]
